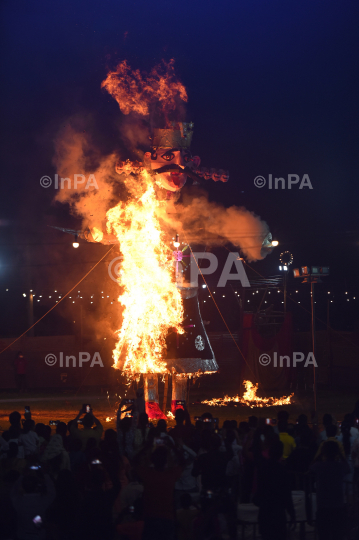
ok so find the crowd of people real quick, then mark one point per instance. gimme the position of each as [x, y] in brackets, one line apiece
[145, 481]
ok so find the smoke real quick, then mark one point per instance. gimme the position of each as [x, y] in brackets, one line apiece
[200, 220]
[92, 194]
[135, 135]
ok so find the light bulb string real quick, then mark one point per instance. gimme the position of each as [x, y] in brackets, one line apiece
[57, 303]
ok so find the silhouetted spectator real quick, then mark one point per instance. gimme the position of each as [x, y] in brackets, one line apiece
[61, 429]
[273, 496]
[55, 456]
[282, 417]
[302, 456]
[159, 483]
[287, 440]
[97, 508]
[31, 504]
[131, 524]
[331, 433]
[14, 430]
[125, 436]
[11, 462]
[185, 516]
[327, 421]
[329, 474]
[133, 491]
[248, 460]
[29, 439]
[183, 429]
[77, 456]
[40, 430]
[64, 513]
[141, 432]
[212, 466]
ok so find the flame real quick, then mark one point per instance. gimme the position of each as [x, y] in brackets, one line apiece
[249, 398]
[170, 415]
[152, 303]
[97, 234]
[108, 419]
[136, 92]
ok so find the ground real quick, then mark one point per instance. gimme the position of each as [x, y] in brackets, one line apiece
[65, 406]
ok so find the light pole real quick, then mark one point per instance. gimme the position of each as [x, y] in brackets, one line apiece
[312, 275]
[285, 259]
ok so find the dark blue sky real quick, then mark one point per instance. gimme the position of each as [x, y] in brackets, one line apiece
[273, 88]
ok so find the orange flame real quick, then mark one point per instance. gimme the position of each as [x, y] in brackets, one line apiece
[249, 398]
[135, 92]
[152, 303]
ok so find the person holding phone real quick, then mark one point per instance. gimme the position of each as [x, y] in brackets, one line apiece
[88, 431]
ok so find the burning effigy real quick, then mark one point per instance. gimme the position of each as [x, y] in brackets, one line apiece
[162, 331]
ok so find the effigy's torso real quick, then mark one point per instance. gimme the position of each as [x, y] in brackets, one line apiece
[190, 352]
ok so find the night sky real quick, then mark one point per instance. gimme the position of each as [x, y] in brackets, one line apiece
[273, 89]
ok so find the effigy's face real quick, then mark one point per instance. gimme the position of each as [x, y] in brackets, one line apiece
[174, 180]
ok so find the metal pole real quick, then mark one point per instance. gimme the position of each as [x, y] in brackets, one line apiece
[30, 314]
[80, 326]
[329, 344]
[30, 302]
[312, 282]
[285, 292]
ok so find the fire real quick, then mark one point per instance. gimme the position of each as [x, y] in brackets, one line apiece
[97, 234]
[170, 415]
[151, 301]
[136, 92]
[249, 398]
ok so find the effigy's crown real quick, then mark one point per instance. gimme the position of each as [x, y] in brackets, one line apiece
[179, 136]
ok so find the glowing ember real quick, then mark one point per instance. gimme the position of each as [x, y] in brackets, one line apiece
[152, 303]
[108, 419]
[249, 398]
